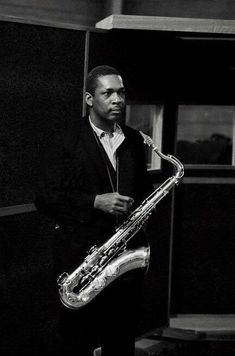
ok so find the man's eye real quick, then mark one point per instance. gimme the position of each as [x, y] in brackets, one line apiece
[120, 93]
[107, 93]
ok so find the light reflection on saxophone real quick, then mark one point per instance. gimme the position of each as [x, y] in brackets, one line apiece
[106, 263]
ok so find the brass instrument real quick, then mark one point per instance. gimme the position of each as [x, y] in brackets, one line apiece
[106, 263]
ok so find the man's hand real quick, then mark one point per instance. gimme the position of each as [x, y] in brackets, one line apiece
[113, 203]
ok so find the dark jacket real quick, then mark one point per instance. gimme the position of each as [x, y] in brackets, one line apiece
[76, 171]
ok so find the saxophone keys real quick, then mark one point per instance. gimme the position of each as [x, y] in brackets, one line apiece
[62, 279]
[92, 249]
[94, 270]
[111, 252]
[103, 260]
[85, 279]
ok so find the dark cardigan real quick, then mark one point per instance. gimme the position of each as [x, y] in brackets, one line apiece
[75, 171]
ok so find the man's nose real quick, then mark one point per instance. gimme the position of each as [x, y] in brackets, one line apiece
[116, 97]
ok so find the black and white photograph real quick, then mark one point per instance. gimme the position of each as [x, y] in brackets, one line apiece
[117, 177]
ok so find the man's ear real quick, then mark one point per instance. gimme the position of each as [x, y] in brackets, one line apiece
[89, 99]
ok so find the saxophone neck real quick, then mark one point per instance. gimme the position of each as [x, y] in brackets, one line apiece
[179, 168]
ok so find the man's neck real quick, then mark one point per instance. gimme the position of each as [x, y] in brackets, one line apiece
[107, 127]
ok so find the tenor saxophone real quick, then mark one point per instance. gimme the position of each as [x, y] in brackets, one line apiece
[106, 263]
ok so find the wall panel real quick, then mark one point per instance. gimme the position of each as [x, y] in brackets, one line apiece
[27, 295]
[204, 247]
[41, 89]
[179, 8]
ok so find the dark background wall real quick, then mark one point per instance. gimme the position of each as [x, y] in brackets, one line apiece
[181, 8]
[41, 91]
[203, 253]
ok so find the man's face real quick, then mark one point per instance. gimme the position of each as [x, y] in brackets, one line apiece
[108, 102]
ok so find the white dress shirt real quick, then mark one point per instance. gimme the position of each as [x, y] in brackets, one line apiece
[110, 140]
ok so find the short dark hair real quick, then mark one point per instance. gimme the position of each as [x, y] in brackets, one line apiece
[95, 73]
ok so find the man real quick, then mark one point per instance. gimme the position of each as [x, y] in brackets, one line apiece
[95, 179]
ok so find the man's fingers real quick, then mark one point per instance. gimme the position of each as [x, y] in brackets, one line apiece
[125, 198]
[125, 201]
[114, 203]
[123, 205]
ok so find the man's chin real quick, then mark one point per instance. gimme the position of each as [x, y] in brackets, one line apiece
[115, 115]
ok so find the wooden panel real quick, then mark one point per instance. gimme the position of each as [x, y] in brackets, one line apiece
[156, 23]
[57, 13]
[17, 209]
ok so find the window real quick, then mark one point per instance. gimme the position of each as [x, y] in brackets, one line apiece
[147, 118]
[206, 134]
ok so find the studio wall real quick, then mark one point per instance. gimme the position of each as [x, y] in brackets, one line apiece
[41, 89]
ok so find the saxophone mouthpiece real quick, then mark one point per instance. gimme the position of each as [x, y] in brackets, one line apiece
[147, 139]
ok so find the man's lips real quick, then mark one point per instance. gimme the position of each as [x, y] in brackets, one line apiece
[116, 110]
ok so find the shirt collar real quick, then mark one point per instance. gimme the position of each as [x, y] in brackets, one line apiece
[100, 133]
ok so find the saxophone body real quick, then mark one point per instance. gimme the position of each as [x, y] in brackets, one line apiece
[106, 263]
